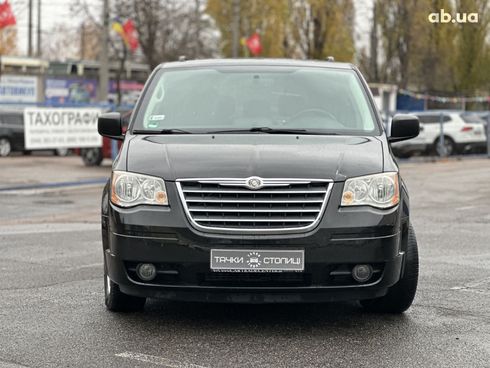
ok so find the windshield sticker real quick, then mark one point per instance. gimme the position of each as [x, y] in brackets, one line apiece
[154, 120]
[156, 117]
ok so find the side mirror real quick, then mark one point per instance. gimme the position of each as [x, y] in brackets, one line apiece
[404, 127]
[110, 125]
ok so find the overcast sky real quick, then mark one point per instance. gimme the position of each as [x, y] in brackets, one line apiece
[55, 12]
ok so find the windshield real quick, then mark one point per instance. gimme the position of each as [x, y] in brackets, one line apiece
[472, 118]
[228, 99]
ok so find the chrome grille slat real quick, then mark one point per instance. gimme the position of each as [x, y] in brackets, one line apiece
[252, 200]
[253, 219]
[230, 191]
[278, 205]
[258, 210]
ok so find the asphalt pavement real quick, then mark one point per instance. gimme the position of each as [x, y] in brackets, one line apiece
[51, 287]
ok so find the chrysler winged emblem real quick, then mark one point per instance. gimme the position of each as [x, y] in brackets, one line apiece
[254, 183]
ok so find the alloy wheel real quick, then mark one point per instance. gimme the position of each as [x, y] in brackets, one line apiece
[446, 149]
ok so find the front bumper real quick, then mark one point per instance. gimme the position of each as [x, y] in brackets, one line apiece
[164, 236]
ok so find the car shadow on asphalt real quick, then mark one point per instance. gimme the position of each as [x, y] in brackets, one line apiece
[302, 317]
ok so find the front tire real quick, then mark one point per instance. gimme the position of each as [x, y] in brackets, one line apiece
[5, 147]
[117, 301]
[62, 152]
[400, 296]
[448, 147]
[92, 156]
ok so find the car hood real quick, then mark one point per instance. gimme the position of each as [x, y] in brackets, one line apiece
[239, 156]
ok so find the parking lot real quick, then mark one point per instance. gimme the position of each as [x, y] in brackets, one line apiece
[51, 289]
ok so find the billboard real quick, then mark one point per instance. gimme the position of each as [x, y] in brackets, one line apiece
[59, 91]
[65, 91]
[46, 128]
[130, 91]
[18, 89]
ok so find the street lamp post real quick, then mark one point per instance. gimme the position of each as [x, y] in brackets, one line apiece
[488, 134]
[235, 28]
[104, 57]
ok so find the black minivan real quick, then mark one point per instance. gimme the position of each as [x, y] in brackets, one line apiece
[257, 181]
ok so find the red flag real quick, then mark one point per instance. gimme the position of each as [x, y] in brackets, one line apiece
[131, 35]
[7, 17]
[254, 45]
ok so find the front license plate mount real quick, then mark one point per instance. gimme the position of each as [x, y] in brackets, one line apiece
[257, 260]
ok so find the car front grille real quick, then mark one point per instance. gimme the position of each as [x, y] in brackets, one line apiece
[278, 205]
[254, 279]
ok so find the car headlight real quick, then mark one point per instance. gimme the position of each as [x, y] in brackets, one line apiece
[130, 189]
[379, 190]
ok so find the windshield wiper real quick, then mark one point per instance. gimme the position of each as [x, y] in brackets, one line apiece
[267, 130]
[161, 131]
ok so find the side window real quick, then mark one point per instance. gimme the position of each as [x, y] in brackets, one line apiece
[16, 120]
[434, 119]
[426, 119]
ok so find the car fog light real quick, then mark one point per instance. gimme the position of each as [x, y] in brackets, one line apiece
[146, 271]
[362, 272]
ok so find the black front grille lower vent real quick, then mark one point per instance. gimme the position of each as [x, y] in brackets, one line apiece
[255, 279]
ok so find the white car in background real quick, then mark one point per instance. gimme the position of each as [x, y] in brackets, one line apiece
[461, 132]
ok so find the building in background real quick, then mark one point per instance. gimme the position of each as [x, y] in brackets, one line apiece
[69, 90]
[384, 96]
[21, 79]
[34, 81]
[129, 89]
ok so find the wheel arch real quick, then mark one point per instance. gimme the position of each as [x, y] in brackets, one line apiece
[445, 135]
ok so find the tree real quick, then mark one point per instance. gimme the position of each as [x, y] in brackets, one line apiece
[173, 28]
[266, 17]
[396, 23]
[166, 29]
[290, 28]
[433, 51]
[90, 35]
[442, 58]
[8, 40]
[471, 66]
[59, 43]
[321, 28]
